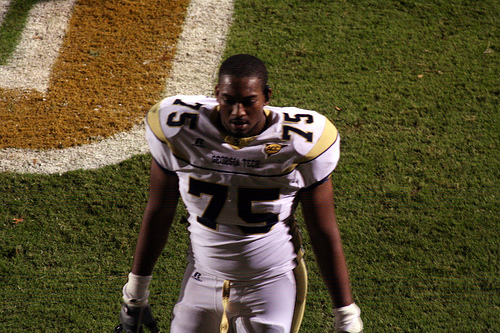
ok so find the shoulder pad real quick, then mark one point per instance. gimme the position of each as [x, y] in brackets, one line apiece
[153, 121]
[167, 117]
[326, 139]
[308, 131]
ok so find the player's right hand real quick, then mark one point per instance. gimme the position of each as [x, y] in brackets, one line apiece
[132, 319]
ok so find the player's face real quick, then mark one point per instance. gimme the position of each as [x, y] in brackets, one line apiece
[241, 102]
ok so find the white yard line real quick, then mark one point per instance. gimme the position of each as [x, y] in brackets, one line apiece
[199, 52]
[200, 48]
[114, 150]
[30, 65]
[4, 7]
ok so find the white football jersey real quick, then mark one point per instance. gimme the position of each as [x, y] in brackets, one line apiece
[241, 192]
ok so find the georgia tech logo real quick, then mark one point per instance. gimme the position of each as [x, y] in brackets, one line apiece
[273, 149]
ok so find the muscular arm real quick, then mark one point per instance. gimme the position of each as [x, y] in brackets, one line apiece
[319, 214]
[158, 217]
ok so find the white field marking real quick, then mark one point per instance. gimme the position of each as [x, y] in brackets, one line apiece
[4, 7]
[29, 67]
[199, 52]
[200, 48]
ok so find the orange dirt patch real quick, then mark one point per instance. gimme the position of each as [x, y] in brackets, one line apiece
[110, 71]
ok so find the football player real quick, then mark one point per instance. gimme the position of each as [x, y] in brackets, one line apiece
[241, 168]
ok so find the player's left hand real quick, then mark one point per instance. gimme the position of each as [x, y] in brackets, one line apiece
[132, 319]
[348, 319]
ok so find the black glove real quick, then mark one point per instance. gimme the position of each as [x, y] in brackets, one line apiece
[133, 318]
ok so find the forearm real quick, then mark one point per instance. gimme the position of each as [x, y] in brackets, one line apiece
[332, 264]
[319, 214]
[158, 217]
[150, 243]
[325, 239]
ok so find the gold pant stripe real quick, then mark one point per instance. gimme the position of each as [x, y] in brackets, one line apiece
[300, 273]
[226, 288]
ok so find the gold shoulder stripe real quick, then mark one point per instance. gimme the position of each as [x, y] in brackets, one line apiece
[153, 119]
[328, 138]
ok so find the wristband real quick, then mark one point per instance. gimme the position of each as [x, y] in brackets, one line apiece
[136, 292]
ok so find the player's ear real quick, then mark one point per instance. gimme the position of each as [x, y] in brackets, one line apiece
[267, 93]
[216, 91]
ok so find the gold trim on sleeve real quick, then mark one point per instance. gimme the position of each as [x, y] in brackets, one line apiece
[153, 120]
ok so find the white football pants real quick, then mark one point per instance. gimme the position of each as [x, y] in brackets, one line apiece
[268, 306]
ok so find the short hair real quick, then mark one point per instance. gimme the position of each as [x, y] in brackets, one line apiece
[244, 65]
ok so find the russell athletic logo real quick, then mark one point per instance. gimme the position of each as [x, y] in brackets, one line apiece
[197, 276]
[76, 85]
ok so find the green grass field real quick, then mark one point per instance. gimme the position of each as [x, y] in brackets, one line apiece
[413, 87]
[12, 26]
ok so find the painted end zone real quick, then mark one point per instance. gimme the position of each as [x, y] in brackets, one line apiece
[100, 89]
